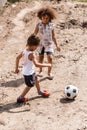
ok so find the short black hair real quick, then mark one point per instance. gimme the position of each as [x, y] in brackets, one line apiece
[33, 40]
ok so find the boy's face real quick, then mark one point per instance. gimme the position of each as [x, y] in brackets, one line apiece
[33, 48]
[45, 19]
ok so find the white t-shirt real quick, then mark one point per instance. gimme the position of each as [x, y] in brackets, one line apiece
[28, 65]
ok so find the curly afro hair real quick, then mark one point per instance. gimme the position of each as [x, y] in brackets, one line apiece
[47, 11]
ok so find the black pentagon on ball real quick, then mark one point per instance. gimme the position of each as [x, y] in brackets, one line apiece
[67, 87]
[68, 94]
[74, 90]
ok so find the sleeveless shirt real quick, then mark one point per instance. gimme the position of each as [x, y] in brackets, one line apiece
[28, 65]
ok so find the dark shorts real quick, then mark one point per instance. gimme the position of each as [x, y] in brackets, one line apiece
[43, 51]
[30, 80]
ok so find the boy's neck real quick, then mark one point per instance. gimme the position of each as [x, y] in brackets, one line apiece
[28, 48]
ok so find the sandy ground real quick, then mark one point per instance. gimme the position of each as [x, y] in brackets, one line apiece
[17, 22]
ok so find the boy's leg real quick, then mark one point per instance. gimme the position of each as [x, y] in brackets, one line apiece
[50, 57]
[41, 58]
[37, 86]
[25, 91]
[29, 83]
[22, 98]
[44, 93]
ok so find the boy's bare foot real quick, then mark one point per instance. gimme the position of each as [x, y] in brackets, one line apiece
[40, 74]
[50, 76]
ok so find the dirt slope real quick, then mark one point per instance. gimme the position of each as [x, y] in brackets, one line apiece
[17, 22]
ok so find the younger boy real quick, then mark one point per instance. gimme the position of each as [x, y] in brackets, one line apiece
[29, 64]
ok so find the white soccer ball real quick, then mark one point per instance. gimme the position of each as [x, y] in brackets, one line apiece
[71, 92]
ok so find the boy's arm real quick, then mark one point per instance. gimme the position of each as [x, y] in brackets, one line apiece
[17, 62]
[54, 39]
[36, 63]
[36, 30]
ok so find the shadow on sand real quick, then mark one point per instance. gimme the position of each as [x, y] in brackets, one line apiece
[66, 100]
[13, 83]
[18, 82]
[10, 106]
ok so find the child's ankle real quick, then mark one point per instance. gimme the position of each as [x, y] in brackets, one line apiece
[49, 74]
[21, 97]
[40, 71]
[40, 92]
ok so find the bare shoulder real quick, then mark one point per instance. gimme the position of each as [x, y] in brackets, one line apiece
[20, 55]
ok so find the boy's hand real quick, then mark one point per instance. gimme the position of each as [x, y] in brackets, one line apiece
[58, 49]
[49, 65]
[16, 71]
